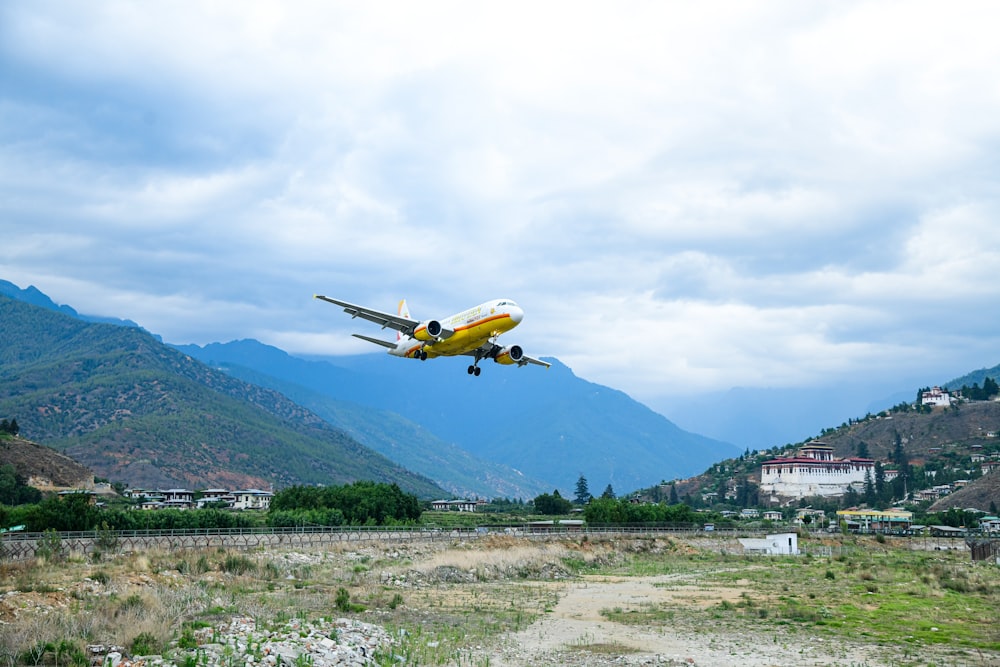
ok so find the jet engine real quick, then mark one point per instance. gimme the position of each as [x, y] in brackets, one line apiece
[509, 355]
[428, 331]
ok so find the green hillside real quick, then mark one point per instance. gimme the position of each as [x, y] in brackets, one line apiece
[137, 411]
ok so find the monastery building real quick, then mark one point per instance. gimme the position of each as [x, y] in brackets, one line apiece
[814, 472]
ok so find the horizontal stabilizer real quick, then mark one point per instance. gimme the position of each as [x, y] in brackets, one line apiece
[383, 343]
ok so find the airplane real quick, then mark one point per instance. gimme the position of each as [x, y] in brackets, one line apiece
[472, 332]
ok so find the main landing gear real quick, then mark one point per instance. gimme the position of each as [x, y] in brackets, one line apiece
[485, 352]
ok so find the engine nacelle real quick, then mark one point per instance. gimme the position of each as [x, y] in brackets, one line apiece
[509, 355]
[428, 331]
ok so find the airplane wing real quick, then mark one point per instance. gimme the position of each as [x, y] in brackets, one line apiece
[385, 320]
[538, 362]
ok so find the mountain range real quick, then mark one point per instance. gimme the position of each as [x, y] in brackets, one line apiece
[134, 410]
[243, 413]
[546, 424]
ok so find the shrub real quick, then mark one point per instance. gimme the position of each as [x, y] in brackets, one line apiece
[235, 564]
[145, 643]
[50, 547]
[343, 602]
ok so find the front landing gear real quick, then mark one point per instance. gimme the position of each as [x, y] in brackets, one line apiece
[475, 370]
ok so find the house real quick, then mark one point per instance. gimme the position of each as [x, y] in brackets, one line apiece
[990, 524]
[749, 513]
[927, 494]
[177, 497]
[783, 544]
[212, 496]
[814, 515]
[936, 397]
[252, 499]
[990, 466]
[773, 515]
[454, 505]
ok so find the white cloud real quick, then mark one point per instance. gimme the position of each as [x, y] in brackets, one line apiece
[680, 196]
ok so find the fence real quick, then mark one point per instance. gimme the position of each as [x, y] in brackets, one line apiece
[21, 546]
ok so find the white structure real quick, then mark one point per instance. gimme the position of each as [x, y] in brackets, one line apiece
[783, 544]
[210, 496]
[454, 505]
[179, 498]
[814, 472]
[936, 397]
[252, 499]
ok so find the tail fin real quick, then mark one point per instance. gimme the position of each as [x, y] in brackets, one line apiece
[403, 311]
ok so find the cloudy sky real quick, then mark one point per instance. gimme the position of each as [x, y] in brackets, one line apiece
[684, 197]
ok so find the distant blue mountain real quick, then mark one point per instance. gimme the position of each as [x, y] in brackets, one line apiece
[547, 424]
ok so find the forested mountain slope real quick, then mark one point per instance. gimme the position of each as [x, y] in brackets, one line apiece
[134, 410]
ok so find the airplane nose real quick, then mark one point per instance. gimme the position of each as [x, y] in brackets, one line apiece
[516, 314]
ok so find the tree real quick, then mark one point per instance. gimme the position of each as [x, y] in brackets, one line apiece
[673, 495]
[552, 504]
[360, 503]
[14, 490]
[869, 488]
[608, 492]
[746, 493]
[862, 449]
[880, 487]
[582, 496]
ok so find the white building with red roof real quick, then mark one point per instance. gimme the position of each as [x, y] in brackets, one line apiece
[936, 396]
[814, 472]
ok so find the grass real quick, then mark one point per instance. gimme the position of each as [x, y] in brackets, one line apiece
[447, 603]
[889, 596]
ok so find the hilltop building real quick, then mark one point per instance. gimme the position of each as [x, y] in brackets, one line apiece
[936, 397]
[813, 472]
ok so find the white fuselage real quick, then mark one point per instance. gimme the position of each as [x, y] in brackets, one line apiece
[471, 328]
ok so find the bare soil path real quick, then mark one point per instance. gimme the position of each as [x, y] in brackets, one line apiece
[575, 632]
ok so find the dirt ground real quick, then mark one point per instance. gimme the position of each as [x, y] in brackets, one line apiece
[576, 622]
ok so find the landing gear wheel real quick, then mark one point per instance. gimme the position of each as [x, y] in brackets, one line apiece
[478, 371]
[472, 369]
